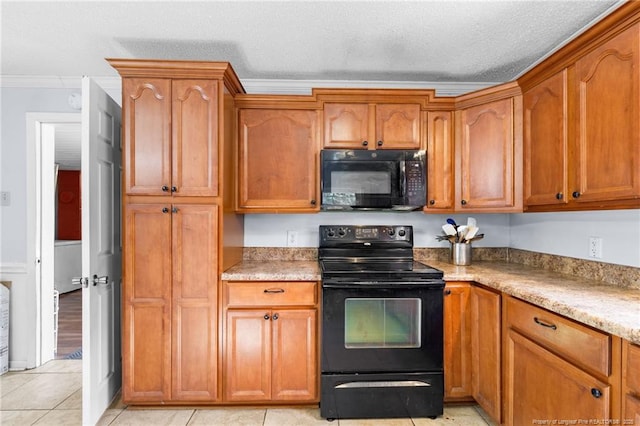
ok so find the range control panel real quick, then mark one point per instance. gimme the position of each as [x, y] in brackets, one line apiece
[365, 233]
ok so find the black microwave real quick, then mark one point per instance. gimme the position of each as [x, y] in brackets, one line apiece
[373, 180]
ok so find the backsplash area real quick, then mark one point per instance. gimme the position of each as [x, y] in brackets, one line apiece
[611, 274]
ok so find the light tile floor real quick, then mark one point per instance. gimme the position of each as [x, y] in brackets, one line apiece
[52, 395]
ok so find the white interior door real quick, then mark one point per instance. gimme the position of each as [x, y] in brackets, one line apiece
[101, 250]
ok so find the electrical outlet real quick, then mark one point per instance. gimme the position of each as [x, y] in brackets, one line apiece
[5, 198]
[595, 247]
[292, 238]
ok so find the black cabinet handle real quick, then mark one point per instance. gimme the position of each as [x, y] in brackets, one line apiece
[559, 196]
[174, 189]
[266, 317]
[275, 317]
[432, 202]
[379, 143]
[463, 202]
[576, 194]
[365, 143]
[165, 210]
[544, 324]
[274, 290]
[597, 393]
[447, 292]
[313, 202]
[165, 188]
[174, 210]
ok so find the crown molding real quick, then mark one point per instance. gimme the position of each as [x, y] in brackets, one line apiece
[257, 86]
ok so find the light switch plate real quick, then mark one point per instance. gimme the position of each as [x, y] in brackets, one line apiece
[5, 198]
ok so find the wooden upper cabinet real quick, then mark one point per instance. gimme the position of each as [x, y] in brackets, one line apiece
[278, 160]
[489, 156]
[147, 135]
[195, 137]
[171, 130]
[440, 160]
[545, 140]
[372, 126]
[607, 86]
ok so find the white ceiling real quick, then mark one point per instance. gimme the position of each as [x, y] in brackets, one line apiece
[393, 41]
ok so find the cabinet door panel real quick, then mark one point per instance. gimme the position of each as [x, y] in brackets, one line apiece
[440, 160]
[346, 126]
[457, 341]
[542, 386]
[248, 355]
[397, 126]
[485, 350]
[195, 243]
[195, 137]
[487, 156]
[294, 355]
[279, 156]
[147, 132]
[608, 131]
[146, 335]
[546, 150]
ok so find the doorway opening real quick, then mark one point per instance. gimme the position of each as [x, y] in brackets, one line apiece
[55, 140]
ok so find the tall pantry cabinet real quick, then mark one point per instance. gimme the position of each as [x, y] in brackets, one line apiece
[179, 231]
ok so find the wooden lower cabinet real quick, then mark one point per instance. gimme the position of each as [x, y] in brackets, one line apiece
[550, 373]
[457, 342]
[486, 344]
[271, 352]
[630, 383]
[170, 303]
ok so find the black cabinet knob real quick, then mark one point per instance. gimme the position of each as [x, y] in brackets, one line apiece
[365, 143]
[379, 143]
[432, 202]
[559, 196]
[313, 202]
[174, 210]
[174, 189]
[275, 317]
[165, 210]
[447, 292]
[165, 188]
[576, 194]
[463, 202]
[597, 393]
[266, 316]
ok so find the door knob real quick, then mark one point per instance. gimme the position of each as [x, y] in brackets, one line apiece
[100, 280]
[83, 281]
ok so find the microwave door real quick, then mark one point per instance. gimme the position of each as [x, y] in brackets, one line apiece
[360, 185]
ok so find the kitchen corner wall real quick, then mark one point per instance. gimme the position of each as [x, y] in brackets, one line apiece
[563, 234]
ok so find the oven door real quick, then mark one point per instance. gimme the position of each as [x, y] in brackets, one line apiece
[382, 328]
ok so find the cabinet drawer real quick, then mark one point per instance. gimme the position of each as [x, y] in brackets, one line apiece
[631, 368]
[581, 344]
[271, 293]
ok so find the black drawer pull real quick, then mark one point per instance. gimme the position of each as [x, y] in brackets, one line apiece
[275, 317]
[544, 324]
[597, 393]
[274, 290]
[266, 317]
[447, 292]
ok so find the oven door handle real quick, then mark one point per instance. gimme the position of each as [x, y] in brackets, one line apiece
[384, 384]
[392, 286]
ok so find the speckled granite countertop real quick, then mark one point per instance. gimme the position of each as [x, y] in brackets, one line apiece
[615, 310]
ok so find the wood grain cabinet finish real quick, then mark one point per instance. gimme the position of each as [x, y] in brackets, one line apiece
[607, 108]
[171, 131]
[486, 346]
[279, 157]
[546, 143]
[488, 155]
[170, 309]
[457, 342]
[372, 126]
[271, 352]
[556, 368]
[440, 160]
[631, 383]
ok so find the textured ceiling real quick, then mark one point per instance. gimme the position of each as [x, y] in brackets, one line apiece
[450, 41]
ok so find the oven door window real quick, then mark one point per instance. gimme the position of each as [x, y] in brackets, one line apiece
[382, 323]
